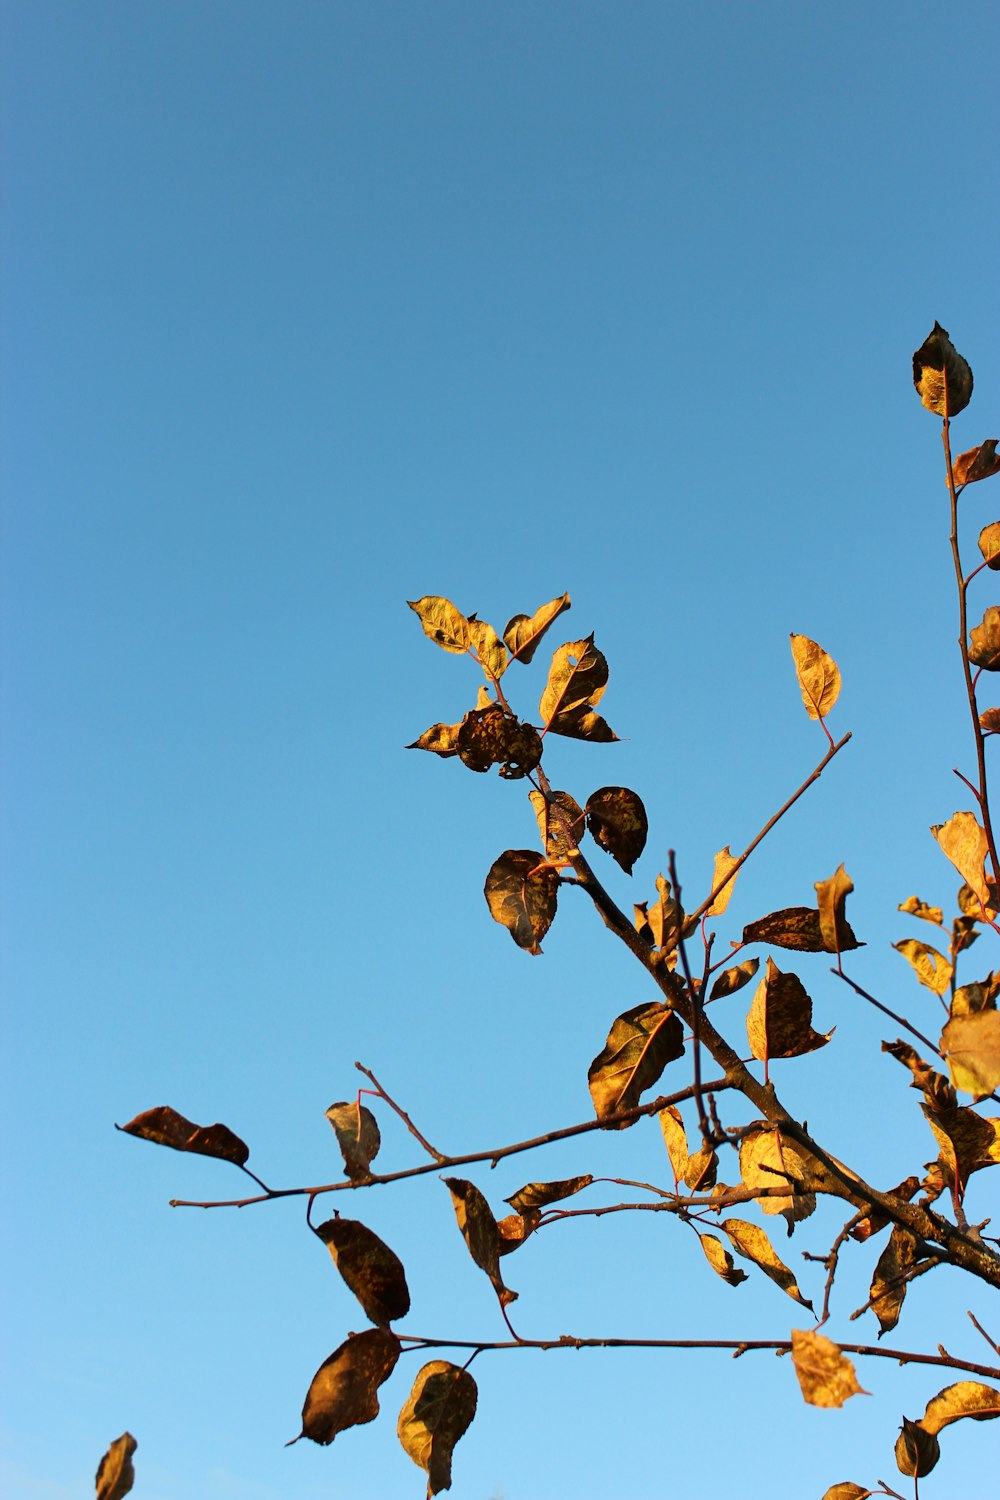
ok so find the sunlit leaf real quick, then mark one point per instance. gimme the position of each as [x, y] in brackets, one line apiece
[441, 739]
[889, 1281]
[971, 905]
[561, 822]
[358, 1137]
[437, 1412]
[971, 1044]
[524, 632]
[725, 863]
[489, 649]
[876, 1221]
[115, 1473]
[831, 897]
[640, 1044]
[967, 1143]
[750, 1241]
[701, 1170]
[826, 1376]
[540, 1194]
[799, 928]
[989, 545]
[514, 1229]
[847, 1491]
[675, 1140]
[664, 923]
[963, 841]
[984, 641]
[344, 1390]
[731, 980]
[989, 721]
[819, 678]
[966, 1398]
[720, 1259]
[616, 819]
[445, 624]
[981, 462]
[970, 999]
[769, 1159]
[490, 737]
[521, 891]
[480, 1232]
[372, 1271]
[942, 378]
[934, 1085]
[780, 1017]
[917, 1451]
[577, 679]
[917, 908]
[166, 1127]
[930, 966]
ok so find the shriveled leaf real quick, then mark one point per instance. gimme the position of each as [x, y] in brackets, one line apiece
[826, 1376]
[769, 1159]
[372, 1271]
[917, 1451]
[989, 721]
[780, 1017]
[446, 625]
[115, 1473]
[847, 1491]
[984, 641]
[616, 819]
[720, 1259]
[440, 739]
[561, 822]
[490, 737]
[480, 1232]
[489, 649]
[750, 1241]
[725, 863]
[524, 632]
[967, 1143]
[963, 841]
[981, 462]
[876, 1221]
[640, 1044]
[917, 908]
[930, 966]
[540, 1194]
[971, 905]
[731, 980]
[577, 679]
[675, 1140]
[344, 1390]
[358, 1137]
[832, 896]
[818, 676]
[437, 1412]
[889, 1281]
[942, 378]
[989, 545]
[663, 924]
[701, 1170]
[934, 1085]
[799, 928]
[521, 891]
[166, 1127]
[966, 1398]
[971, 1044]
[970, 999]
[514, 1229]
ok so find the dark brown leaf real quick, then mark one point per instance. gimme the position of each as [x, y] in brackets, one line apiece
[779, 1023]
[358, 1137]
[889, 1282]
[616, 819]
[561, 822]
[917, 1451]
[437, 1412]
[984, 647]
[166, 1127]
[831, 896]
[935, 1086]
[372, 1271]
[981, 462]
[942, 378]
[535, 1195]
[967, 1143]
[344, 1390]
[115, 1474]
[577, 679]
[480, 1232]
[524, 632]
[490, 737]
[731, 980]
[521, 892]
[640, 1044]
[797, 927]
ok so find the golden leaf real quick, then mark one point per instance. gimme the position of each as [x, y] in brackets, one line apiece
[663, 924]
[437, 1412]
[561, 822]
[372, 1271]
[779, 1019]
[966, 1398]
[115, 1473]
[819, 678]
[443, 623]
[917, 1451]
[826, 1376]
[535, 1195]
[984, 641]
[963, 841]
[769, 1159]
[969, 999]
[724, 863]
[514, 1229]
[166, 1127]
[441, 739]
[942, 378]
[480, 1232]
[888, 1287]
[488, 647]
[617, 821]
[917, 908]
[971, 905]
[675, 1140]
[701, 1170]
[731, 980]
[799, 928]
[358, 1137]
[523, 634]
[521, 891]
[930, 966]
[989, 721]
[832, 897]
[981, 462]
[577, 679]
[967, 1143]
[989, 544]
[847, 1491]
[344, 1391]
[971, 1044]
[750, 1241]
[640, 1044]
[720, 1260]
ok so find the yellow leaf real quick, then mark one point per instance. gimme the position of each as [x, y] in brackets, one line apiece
[437, 1412]
[942, 378]
[445, 624]
[819, 678]
[779, 1020]
[750, 1241]
[832, 897]
[115, 1473]
[847, 1491]
[930, 966]
[720, 1259]
[826, 1376]
[971, 1044]
[917, 908]
[640, 1044]
[523, 633]
[769, 1159]
[984, 641]
[724, 863]
[966, 1398]
[963, 841]
[989, 544]
[441, 739]
[577, 680]
[675, 1140]
[488, 647]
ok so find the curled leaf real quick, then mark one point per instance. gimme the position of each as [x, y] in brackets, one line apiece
[523, 633]
[344, 1391]
[731, 980]
[818, 675]
[917, 908]
[989, 721]
[890, 1278]
[437, 1412]
[480, 1232]
[917, 1451]
[372, 1271]
[977, 463]
[720, 1259]
[826, 1376]
[831, 897]
[640, 1044]
[963, 841]
[446, 626]
[967, 1143]
[490, 737]
[942, 378]
[166, 1127]
[984, 641]
[722, 885]
[847, 1491]
[577, 679]
[115, 1473]
[358, 1137]
[617, 821]
[750, 1241]
[931, 967]
[799, 928]
[535, 1195]
[675, 1140]
[966, 1398]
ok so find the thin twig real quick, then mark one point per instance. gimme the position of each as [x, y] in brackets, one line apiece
[902, 1280]
[438, 1156]
[695, 1005]
[980, 1329]
[900, 1020]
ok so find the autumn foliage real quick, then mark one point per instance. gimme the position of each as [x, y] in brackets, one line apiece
[736, 1159]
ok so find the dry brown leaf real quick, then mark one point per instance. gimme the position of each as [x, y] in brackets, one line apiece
[826, 1376]
[115, 1473]
[971, 1044]
[437, 1412]
[344, 1391]
[617, 821]
[521, 892]
[372, 1271]
[779, 1019]
[357, 1132]
[942, 378]
[166, 1127]
[480, 1232]
[640, 1044]
[963, 841]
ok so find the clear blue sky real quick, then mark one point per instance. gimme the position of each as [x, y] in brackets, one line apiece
[310, 309]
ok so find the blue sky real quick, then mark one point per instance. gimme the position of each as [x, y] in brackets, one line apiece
[313, 309]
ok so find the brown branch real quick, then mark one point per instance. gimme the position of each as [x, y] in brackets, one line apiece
[696, 1006]
[900, 1020]
[439, 1158]
[902, 1280]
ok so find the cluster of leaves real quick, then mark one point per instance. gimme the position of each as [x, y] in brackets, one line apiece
[781, 1168]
